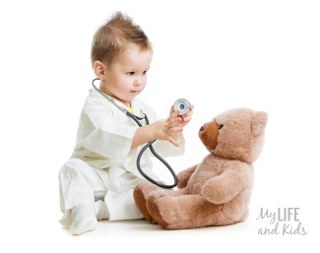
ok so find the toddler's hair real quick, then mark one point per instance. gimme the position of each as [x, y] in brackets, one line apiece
[112, 38]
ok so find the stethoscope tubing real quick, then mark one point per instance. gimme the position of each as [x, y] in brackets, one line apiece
[137, 120]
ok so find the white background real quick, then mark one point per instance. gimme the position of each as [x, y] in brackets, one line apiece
[264, 55]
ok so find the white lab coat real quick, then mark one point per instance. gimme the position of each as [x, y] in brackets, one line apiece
[102, 161]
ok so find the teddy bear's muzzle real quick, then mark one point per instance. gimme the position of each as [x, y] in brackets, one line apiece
[208, 134]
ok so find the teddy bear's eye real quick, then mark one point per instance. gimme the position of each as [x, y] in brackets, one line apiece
[220, 126]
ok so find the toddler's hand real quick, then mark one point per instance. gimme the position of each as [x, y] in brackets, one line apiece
[185, 119]
[168, 129]
[182, 121]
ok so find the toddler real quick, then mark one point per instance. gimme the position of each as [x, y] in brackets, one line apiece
[97, 182]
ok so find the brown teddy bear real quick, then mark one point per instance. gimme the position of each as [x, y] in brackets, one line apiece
[217, 190]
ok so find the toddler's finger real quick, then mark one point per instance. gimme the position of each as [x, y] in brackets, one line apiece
[173, 116]
[176, 129]
[175, 122]
[171, 109]
[187, 118]
[173, 141]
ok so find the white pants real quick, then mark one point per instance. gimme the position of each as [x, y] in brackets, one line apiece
[80, 184]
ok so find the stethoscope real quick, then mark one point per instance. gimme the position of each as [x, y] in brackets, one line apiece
[138, 120]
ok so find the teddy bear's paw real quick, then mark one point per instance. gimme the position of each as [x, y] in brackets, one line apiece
[162, 210]
[155, 211]
[140, 195]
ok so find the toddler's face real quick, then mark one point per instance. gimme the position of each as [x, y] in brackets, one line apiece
[127, 76]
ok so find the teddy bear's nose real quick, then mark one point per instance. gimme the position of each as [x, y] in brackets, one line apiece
[202, 128]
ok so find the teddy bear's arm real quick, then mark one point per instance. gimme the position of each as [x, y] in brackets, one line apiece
[183, 176]
[227, 185]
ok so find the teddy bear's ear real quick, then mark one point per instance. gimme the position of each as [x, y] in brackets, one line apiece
[258, 123]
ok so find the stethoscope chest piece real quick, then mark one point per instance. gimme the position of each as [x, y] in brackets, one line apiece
[183, 105]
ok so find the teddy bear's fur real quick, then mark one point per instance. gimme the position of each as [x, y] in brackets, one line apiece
[217, 190]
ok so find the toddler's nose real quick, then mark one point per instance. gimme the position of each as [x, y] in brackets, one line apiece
[137, 81]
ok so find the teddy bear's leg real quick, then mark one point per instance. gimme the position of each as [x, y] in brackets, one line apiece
[245, 216]
[140, 195]
[186, 211]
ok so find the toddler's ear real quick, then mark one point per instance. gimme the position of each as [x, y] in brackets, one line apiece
[100, 70]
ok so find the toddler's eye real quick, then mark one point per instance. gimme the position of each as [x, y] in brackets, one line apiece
[220, 126]
[145, 72]
[130, 73]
